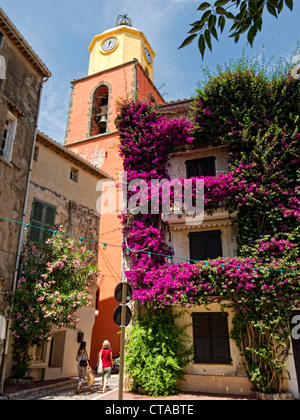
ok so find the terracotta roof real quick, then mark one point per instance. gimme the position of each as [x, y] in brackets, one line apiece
[68, 154]
[179, 101]
[9, 29]
[184, 103]
[176, 107]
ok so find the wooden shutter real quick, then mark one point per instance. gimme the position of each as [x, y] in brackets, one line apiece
[36, 220]
[49, 220]
[202, 341]
[192, 168]
[197, 246]
[208, 166]
[213, 244]
[205, 245]
[201, 167]
[211, 338]
[220, 338]
[43, 217]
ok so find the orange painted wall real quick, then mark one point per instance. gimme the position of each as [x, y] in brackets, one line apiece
[123, 82]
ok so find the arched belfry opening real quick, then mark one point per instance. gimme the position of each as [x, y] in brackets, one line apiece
[99, 111]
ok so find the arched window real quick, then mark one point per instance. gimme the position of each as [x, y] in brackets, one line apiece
[99, 111]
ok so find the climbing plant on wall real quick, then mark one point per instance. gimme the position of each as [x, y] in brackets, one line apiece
[257, 118]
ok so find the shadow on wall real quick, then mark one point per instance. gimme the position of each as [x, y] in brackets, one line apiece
[105, 329]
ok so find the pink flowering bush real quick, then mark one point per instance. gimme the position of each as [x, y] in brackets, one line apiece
[55, 280]
[257, 118]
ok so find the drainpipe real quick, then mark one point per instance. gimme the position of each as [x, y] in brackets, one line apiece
[20, 244]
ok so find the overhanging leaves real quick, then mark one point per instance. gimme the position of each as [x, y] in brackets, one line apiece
[246, 14]
[188, 40]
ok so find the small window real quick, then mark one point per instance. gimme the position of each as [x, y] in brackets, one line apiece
[42, 219]
[8, 137]
[1, 38]
[36, 153]
[201, 167]
[74, 175]
[205, 245]
[211, 338]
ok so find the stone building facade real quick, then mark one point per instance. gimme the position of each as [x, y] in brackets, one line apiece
[22, 75]
[63, 191]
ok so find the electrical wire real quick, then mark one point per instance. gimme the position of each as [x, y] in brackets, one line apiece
[167, 257]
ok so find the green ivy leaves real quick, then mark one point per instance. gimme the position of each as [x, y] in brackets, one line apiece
[248, 18]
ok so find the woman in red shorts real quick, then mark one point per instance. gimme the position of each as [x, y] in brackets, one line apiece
[107, 363]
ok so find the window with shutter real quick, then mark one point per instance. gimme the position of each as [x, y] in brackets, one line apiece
[42, 218]
[205, 245]
[8, 137]
[211, 338]
[201, 167]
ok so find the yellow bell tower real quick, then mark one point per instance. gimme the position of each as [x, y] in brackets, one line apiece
[121, 66]
[121, 45]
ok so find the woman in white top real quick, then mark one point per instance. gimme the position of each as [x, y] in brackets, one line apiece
[83, 364]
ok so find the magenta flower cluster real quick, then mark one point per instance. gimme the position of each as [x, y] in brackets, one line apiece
[261, 186]
[258, 121]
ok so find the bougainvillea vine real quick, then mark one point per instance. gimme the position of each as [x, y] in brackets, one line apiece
[258, 121]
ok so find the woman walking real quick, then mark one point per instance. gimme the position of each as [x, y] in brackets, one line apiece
[83, 364]
[105, 355]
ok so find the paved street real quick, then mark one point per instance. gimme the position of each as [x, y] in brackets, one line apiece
[93, 393]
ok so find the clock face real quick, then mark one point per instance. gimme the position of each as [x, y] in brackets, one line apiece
[148, 55]
[109, 44]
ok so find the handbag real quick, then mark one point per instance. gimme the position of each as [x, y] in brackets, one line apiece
[99, 368]
[82, 361]
[90, 377]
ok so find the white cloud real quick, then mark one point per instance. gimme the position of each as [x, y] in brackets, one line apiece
[61, 31]
[54, 108]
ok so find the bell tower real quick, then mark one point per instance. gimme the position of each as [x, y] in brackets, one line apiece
[121, 67]
[120, 45]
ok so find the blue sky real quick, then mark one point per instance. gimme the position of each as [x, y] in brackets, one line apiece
[60, 32]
